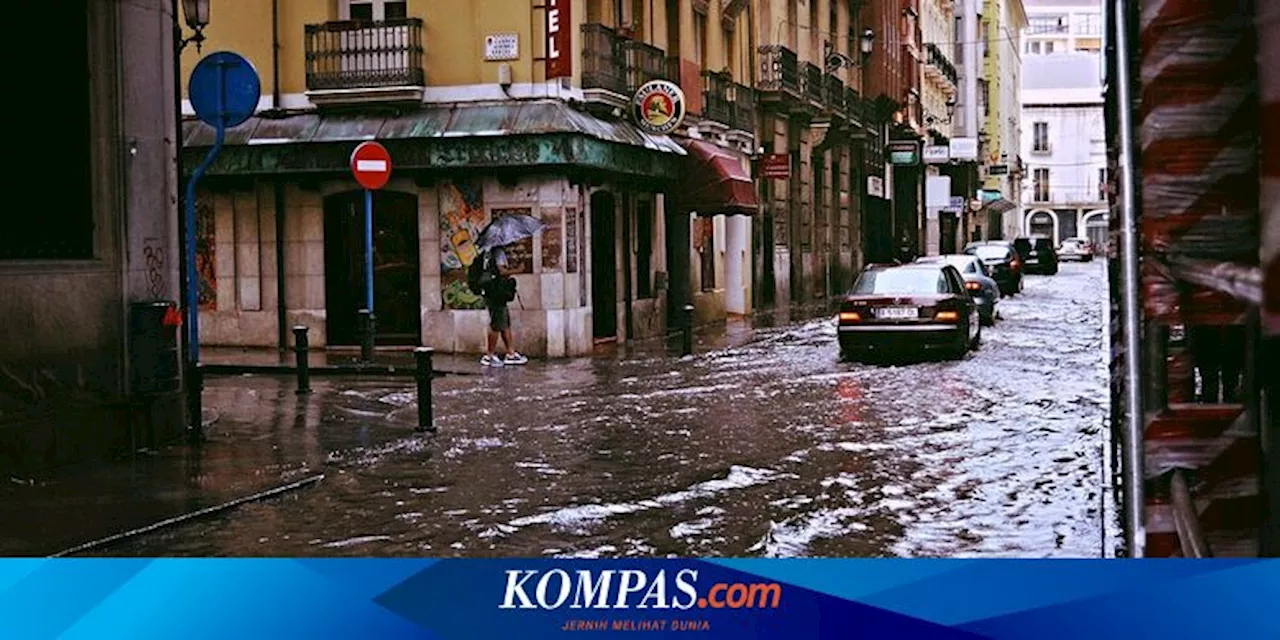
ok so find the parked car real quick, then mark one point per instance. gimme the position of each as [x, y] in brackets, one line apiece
[1038, 254]
[913, 308]
[982, 287]
[1001, 261]
[1076, 249]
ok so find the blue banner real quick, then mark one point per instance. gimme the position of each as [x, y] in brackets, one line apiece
[448, 599]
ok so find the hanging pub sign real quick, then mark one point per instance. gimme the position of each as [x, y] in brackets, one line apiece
[937, 154]
[658, 107]
[904, 152]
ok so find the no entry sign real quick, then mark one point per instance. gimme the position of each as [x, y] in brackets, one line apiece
[371, 165]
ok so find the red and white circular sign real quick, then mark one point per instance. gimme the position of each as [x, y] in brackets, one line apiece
[371, 165]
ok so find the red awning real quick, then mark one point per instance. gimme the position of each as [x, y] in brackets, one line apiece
[716, 181]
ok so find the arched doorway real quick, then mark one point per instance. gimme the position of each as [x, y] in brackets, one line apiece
[397, 287]
[1097, 230]
[1043, 222]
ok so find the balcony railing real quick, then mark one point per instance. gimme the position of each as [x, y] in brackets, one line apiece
[717, 104]
[602, 66]
[643, 62]
[743, 100]
[852, 104]
[935, 57]
[835, 94]
[779, 69]
[813, 84]
[355, 54]
[617, 64]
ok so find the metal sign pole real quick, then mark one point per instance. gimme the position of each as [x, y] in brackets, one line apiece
[224, 91]
[368, 250]
[195, 386]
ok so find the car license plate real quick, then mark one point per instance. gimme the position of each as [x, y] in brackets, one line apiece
[897, 313]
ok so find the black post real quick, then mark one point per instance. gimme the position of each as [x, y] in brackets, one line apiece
[195, 427]
[688, 330]
[300, 346]
[424, 373]
[367, 331]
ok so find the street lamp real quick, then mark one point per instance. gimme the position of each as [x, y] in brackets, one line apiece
[196, 13]
[951, 110]
[867, 42]
[836, 60]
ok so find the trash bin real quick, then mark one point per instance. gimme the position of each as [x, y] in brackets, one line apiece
[154, 355]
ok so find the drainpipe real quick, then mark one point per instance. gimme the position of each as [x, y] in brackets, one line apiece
[275, 54]
[282, 312]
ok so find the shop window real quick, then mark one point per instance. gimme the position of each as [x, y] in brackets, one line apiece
[644, 249]
[55, 224]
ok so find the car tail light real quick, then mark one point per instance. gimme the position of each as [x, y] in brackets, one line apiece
[947, 316]
[973, 286]
[850, 316]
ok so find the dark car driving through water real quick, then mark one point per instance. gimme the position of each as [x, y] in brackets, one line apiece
[977, 279]
[908, 308]
[1002, 261]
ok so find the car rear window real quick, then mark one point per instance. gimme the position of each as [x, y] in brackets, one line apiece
[1043, 245]
[921, 281]
[993, 252]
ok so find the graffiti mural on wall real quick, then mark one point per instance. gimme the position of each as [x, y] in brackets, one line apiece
[462, 218]
[206, 254]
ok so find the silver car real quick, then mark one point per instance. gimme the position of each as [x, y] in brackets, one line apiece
[977, 279]
[1076, 249]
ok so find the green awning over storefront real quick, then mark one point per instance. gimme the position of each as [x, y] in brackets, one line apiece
[443, 137]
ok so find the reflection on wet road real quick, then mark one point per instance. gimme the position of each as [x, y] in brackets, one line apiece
[771, 449]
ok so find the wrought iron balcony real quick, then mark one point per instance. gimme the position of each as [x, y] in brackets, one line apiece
[936, 59]
[716, 104]
[643, 62]
[852, 104]
[834, 98]
[602, 62]
[354, 54]
[779, 70]
[744, 101]
[813, 86]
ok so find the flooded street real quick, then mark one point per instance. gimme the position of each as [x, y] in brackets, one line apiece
[771, 449]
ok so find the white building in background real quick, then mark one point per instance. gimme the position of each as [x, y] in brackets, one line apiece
[1063, 133]
[1062, 26]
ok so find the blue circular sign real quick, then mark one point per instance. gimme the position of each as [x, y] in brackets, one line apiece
[224, 89]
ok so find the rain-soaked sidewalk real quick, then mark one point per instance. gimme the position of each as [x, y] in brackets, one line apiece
[762, 444]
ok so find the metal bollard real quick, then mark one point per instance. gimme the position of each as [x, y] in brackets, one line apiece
[300, 346]
[688, 329]
[368, 329]
[424, 373]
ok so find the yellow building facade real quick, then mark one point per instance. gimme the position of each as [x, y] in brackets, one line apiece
[491, 107]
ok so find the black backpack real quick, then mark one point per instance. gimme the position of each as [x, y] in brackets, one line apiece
[478, 277]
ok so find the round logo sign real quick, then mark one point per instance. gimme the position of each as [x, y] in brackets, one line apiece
[658, 106]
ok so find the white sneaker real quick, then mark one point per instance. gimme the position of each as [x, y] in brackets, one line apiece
[516, 358]
[491, 361]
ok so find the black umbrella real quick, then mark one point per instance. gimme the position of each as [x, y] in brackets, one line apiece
[507, 230]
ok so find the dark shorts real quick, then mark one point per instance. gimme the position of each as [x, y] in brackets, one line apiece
[499, 317]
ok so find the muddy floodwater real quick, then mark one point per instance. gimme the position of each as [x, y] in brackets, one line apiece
[773, 448]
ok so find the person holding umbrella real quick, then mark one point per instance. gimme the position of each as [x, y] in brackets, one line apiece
[496, 284]
[499, 291]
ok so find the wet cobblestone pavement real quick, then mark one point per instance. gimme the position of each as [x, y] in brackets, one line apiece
[773, 448]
